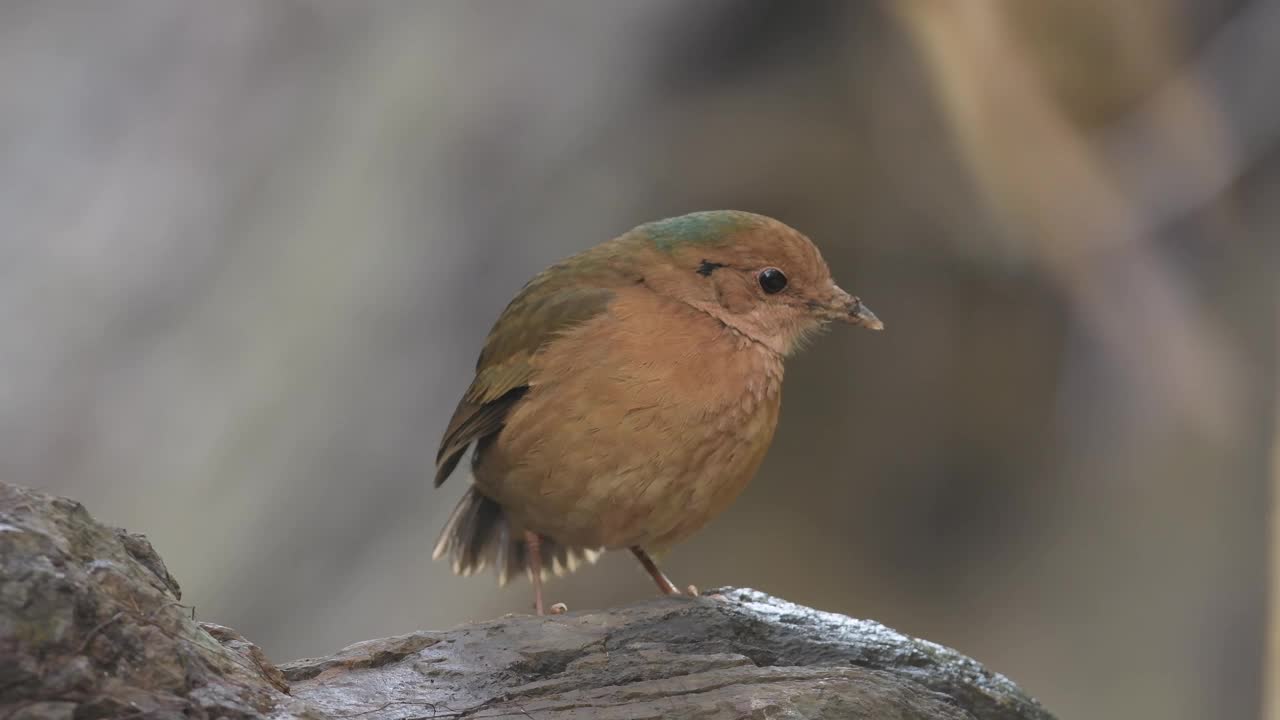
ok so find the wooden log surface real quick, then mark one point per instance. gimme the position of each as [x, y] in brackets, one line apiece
[92, 626]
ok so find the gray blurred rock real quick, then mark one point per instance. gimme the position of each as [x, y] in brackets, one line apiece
[91, 626]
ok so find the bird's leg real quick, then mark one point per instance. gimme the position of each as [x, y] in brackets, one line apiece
[665, 585]
[533, 546]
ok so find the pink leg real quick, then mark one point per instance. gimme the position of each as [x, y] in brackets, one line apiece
[533, 546]
[665, 585]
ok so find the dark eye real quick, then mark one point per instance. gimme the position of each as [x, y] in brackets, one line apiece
[772, 280]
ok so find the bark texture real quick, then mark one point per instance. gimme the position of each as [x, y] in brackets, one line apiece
[91, 626]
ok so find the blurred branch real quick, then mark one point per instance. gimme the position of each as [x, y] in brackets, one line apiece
[1207, 126]
[1081, 208]
[1271, 663]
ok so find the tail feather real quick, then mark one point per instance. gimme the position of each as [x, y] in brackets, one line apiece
[479, 534]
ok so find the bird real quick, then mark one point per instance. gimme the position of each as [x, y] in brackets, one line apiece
[627, 394]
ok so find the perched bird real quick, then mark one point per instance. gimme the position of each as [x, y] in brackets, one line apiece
[627, 394]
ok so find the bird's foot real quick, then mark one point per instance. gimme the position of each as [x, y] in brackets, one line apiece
[552, 609]
[693, 591]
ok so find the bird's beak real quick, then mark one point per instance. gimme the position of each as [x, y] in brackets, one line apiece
[860, 314]
[849, 308]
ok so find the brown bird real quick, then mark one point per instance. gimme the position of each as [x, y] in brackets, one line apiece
[627, 394]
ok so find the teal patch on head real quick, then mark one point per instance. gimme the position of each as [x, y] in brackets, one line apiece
[699, 228]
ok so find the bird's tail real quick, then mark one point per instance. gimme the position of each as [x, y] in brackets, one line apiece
[479, 534]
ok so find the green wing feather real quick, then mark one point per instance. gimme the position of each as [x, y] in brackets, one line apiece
[560, 298]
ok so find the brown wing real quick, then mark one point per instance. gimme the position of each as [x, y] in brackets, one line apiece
[550, 304]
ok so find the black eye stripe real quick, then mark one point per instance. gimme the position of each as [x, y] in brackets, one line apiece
[707, 267]
[772, 280]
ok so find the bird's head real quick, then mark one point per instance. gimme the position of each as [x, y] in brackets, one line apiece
[753, 273]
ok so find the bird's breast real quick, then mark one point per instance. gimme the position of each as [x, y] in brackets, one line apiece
[640, 426]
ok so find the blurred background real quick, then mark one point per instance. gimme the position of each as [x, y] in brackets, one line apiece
[249, 252]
